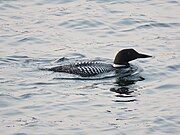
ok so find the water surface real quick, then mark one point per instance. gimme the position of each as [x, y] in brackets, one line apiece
[44, 33]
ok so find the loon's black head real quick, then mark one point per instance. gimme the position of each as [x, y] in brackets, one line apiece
[126, 55]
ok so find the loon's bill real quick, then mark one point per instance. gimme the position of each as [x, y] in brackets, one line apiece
[92, 68]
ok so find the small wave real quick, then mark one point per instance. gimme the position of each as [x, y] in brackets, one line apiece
[43, 83]
[174, 67]
[18, 56]
[10, 6]
[15, 59]
[127, 21]
[168, 86]
[130, 100]
[152, 25]
[75, 56]
[61, 59]
[30, 39]
[81, 24]
[29, 95]
[70, 58]
[57, 1]
[7, 95]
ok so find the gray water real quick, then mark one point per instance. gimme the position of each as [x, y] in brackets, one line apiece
[45, 33]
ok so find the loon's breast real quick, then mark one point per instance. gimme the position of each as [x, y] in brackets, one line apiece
[84, 69]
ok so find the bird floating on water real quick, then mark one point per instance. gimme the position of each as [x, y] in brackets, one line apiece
[92, 68]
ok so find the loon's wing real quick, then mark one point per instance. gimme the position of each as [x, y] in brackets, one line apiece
[84, 69]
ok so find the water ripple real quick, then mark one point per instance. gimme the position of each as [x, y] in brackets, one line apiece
[44, 33]
[81, 24]
[153, 25]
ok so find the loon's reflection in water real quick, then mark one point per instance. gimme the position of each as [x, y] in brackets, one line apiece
[125, 83]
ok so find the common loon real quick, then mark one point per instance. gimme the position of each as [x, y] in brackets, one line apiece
[91, 68]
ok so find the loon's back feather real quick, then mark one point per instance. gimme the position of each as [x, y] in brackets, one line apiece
[84, 69]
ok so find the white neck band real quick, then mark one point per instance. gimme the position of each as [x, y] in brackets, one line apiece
[116, 65]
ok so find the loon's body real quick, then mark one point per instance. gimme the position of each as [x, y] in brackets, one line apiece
[85, 69]
[92, 68]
